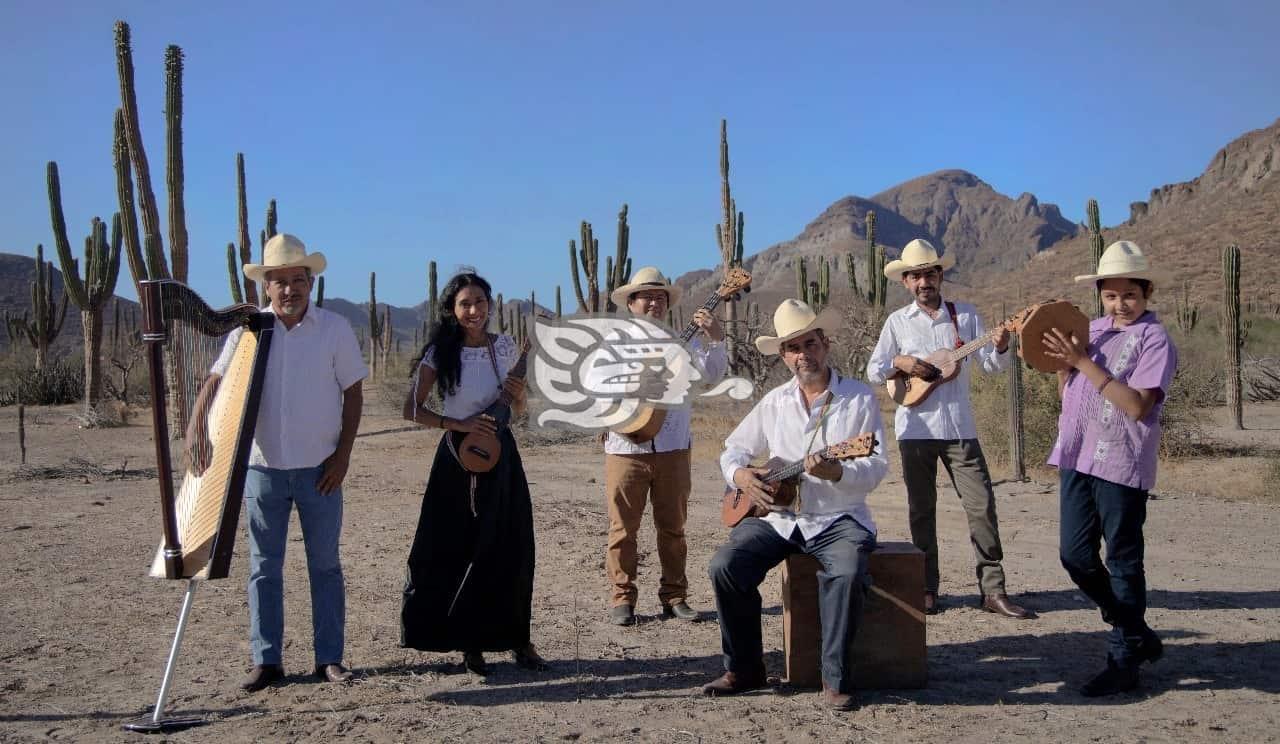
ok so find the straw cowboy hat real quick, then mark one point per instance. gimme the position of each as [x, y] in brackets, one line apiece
[1123, 259]
[918, 254]
[792, 319]
[284, 251]
[647, 277]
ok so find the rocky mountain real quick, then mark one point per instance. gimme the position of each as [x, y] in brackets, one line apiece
[1184, 226]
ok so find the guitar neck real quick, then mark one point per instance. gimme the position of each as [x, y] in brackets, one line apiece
[517, 373]
[793, 469]
[692, 327]
[976, 344]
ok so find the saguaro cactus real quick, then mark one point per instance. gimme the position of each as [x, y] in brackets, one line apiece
[729, 239]
[618, 268]
[44, 322]
[590, 251]
[320, 293]
[433, 294]
[154, 244]
[557, 300]
[1231, 332]
[802, 280]
[102, 267]
[242, 231]
[877, 282]
[138, 265]
[375, 326]
[1094, 225]
[1017, 428]
[1186, 312]
[173, 161]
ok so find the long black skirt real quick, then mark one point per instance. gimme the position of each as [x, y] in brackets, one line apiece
[469, 585]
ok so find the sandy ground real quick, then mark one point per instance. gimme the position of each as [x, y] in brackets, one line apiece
[86, 635]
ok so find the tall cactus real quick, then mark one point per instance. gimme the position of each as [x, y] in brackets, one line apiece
[152, 241]
[375, 326]
[558, 301]
[44, 323]
[1094, 225]
[1017, 423]
[433, 294]
[320, 293]
[91, 294]
[173, 165]
[729, 239]
[1231, 332]
[589, 254]
[1186, 311]
[881, 281]
[802, 280]
[141, 268]
[852, 274]
[388, 337]
[242, 231]
[618, 268]
[269, 231]
[233, 275]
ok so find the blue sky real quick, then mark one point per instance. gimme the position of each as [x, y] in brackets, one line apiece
[483, 132]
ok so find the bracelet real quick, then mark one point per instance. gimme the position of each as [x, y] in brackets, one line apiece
[1105, 383]
[442, 420]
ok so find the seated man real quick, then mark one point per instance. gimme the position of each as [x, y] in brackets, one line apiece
[829, 519]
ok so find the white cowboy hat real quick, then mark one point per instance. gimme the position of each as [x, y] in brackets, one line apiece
[1123, 259]
[793, 318]
[284, 251]
[918, 254]
[646, 277]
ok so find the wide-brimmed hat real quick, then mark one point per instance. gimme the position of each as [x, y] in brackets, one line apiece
[646, 277]
[1123, 259]
[284, 251]
[794, 318]
[916, 255]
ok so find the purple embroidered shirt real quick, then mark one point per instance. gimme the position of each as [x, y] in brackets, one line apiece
[1095, 437]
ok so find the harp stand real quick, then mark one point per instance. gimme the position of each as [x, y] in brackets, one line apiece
[156, 722]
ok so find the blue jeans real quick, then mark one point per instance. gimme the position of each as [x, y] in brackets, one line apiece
[270, 495]
[740, 565]
[1094, 509]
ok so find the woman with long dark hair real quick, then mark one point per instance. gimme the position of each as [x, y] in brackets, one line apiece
[469, 584]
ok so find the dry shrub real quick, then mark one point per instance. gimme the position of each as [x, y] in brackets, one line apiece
[60, 382]
[1271, 481]
[1197, 386]
[1040, 407]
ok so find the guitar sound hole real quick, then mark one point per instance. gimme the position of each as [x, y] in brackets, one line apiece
[479, 451]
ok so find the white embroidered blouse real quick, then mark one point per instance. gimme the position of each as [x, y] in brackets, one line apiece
[477, 386]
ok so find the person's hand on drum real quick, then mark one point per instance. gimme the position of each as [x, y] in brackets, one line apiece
[477, 424]
[1066, 349]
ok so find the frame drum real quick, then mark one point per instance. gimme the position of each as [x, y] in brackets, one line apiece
[1040, 318]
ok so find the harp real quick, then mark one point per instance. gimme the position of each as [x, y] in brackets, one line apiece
[184, 337]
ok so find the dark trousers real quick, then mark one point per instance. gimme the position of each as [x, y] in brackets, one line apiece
[967, 467]
[1094, 509]
[740, 565]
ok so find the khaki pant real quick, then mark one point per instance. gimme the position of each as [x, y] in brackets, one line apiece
[968, 470]
[628, 480]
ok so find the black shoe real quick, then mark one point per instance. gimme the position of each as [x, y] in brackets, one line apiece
[623, 614]
[1114, 679]
[679, 609]
[528, 658]
[261, 676]
[1151, 649]
[474, 662]
[333, 673]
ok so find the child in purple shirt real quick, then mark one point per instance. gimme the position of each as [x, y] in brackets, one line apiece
[1108, 435]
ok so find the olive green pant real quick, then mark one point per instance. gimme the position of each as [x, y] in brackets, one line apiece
[968, 470]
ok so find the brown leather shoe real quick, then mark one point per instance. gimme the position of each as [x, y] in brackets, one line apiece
[931, 603]
[1000, 604]
[732, 684]
[836, 700]
[333, 673]
[261, 676]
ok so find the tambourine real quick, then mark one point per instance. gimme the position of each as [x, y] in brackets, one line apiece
[1037, 320]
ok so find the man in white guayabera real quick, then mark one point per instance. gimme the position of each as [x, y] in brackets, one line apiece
[307, 421]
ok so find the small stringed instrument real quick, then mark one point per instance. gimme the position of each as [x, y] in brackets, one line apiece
[648, 420]
[1029, 323]
[737, 506]
[479, 452]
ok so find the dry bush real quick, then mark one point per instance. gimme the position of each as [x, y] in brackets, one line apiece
[60, 382]
[1271, 481]
[1040, 408]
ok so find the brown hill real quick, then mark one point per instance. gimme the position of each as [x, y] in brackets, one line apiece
[1184, 226]
[954, 209]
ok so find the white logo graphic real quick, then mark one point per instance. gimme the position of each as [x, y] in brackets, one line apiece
[601, 371]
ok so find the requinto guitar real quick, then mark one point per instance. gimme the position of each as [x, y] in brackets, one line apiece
[737, 506]
[479, 452]
[648, 419]
[911, 391]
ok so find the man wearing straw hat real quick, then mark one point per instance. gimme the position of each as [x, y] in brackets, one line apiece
[816, 408]
[942, 427]
[1113, 387]
[307, 421]
[657, 469]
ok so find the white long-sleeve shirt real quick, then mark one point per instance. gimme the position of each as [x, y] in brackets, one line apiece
[947, 412]
[712, 362]
[782, 424]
